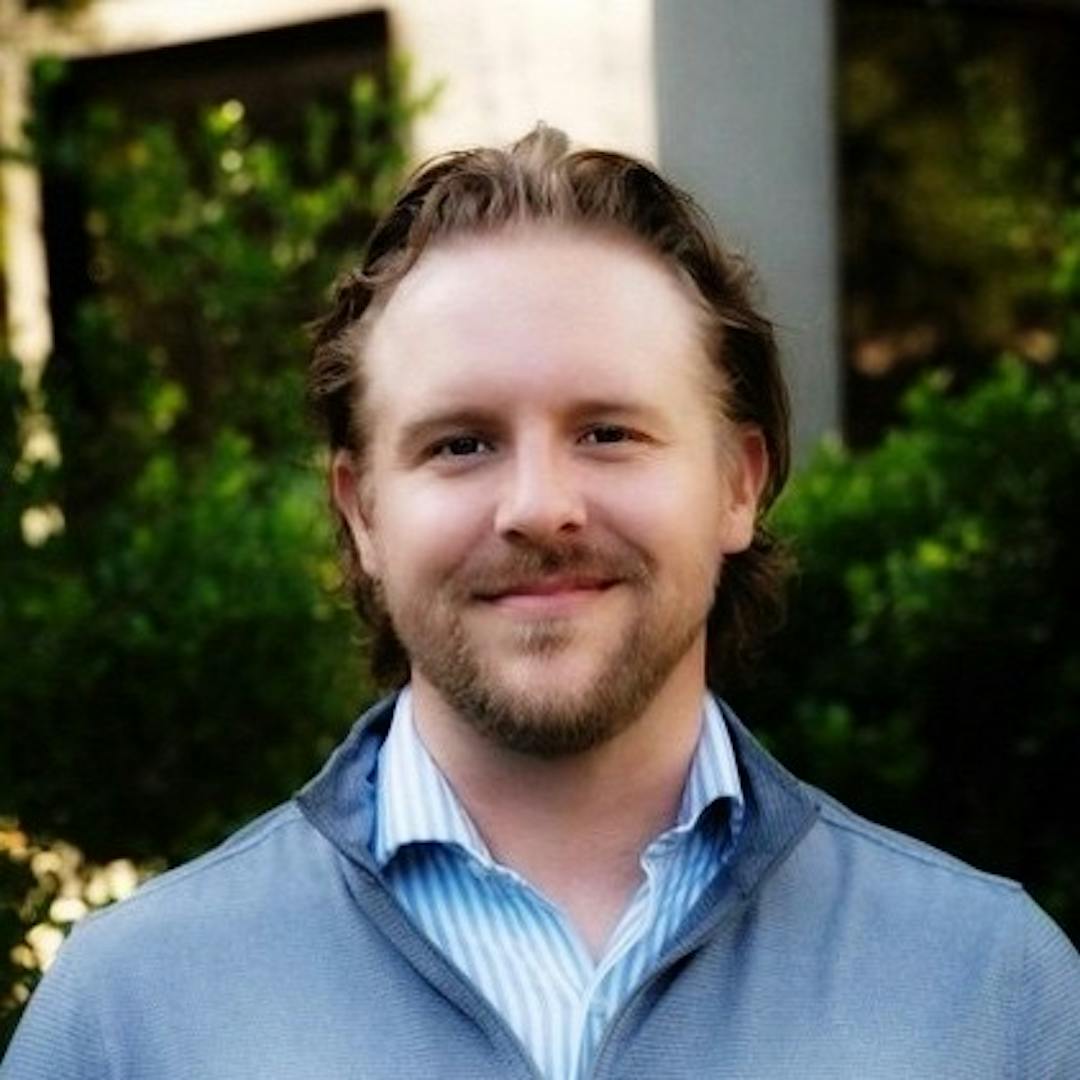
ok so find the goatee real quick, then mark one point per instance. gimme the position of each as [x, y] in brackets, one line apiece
[554, 722]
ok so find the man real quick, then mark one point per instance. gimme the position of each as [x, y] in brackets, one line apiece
[555, 420]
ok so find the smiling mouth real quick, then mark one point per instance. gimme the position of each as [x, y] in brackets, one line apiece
[548, 595]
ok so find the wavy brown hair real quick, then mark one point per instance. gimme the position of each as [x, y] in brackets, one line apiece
[540, 180]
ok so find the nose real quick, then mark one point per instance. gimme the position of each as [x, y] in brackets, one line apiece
[540, 498]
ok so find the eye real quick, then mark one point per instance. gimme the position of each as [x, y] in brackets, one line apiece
[458, 446]
[606, 434]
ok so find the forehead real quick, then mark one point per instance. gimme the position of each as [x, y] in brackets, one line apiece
[535, 311]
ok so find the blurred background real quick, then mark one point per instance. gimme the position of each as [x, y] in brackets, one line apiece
[180, 184]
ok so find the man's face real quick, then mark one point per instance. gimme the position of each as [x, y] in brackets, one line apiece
[549, 492]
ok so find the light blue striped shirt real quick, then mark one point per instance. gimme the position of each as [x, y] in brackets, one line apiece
[516, 946]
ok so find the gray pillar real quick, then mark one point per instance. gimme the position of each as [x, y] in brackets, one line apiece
[745, 118]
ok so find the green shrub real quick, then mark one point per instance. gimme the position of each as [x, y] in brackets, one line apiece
[173, 654]
[930, 671]
[173, 657]
[180, 665]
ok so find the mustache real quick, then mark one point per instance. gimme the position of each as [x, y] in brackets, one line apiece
[529, 562]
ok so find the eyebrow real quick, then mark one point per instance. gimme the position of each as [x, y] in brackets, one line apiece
[614, 407]
[417, 433]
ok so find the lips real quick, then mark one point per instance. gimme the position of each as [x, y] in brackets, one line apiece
[538, 581]
[547, 587]
[558, 597]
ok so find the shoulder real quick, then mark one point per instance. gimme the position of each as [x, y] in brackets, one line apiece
[129, 971]
[881, 846]
[817, 844]
[262, 874]
[899, 877]
[972, 936]
[860, 921]
[893, 885]
[821, 848]
[266, 906]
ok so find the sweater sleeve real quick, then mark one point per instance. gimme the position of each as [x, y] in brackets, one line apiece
[58, 1037]
[1048, 1014]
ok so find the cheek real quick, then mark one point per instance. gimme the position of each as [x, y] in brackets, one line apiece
[685, 566]
[680, 538]
[423, 534]
[665, 508]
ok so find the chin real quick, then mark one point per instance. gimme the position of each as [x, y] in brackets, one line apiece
[546, 727]
[549, 709]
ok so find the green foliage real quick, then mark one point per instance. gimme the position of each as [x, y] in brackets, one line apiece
[181, 659]
[955, 126]
[930, 673]
[173, 656]
[59, 10]
[210, 250]
[943, 171]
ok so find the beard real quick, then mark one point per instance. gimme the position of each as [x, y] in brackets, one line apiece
[556, 721]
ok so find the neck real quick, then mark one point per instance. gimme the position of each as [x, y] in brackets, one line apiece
[575, 826]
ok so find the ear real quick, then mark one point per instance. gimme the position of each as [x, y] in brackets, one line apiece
[346, 485]
[746, 466]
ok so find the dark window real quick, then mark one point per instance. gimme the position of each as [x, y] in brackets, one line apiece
[959, 123]
[277, 74]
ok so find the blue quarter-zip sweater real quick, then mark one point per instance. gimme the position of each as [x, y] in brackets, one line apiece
[828, 948]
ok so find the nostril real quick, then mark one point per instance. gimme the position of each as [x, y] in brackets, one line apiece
[548, 516]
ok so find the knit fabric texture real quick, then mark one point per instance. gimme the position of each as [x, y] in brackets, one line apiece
[828, 947]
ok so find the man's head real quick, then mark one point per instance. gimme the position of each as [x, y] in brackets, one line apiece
[588, 273]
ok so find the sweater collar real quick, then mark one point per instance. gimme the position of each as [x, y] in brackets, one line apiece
[415, 802]
[340, 801]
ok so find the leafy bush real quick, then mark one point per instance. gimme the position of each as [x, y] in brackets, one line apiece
[930, 671]
[179, 665]
[173, 658]
[173, 650]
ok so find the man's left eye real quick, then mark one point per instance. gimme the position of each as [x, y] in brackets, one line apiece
[607, 433]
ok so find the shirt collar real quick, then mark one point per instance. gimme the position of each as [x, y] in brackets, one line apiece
[714, 773]
[415, 803]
